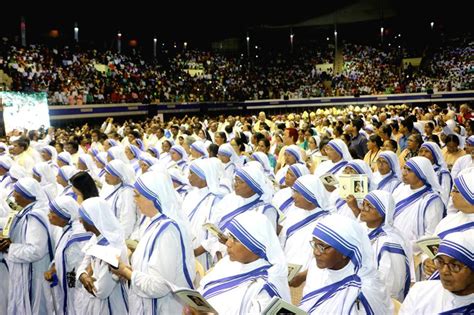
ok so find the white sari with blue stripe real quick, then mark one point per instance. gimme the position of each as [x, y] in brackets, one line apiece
[161, 255]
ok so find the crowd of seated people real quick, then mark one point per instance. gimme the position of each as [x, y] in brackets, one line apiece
[73, 76]
[113, 218]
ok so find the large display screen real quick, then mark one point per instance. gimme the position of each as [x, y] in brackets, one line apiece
[24, 110]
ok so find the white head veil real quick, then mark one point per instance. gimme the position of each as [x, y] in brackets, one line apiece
[121, 170]
[262, 158]
[393, 162]
[227, 150]
[30, 189]
[45, 172]
[437, 155]
[361, 167]
[255, 232]
[117, 153]
[255, 178]
[423, 169]
[49, 149]
[208, 171]
[65, 157]
[65, 207]
[200, 147]
[459, 246]
[313, 190]
[341, 148]
[97, 212]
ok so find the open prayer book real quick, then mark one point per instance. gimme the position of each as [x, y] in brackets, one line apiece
[191, 298]
[213, 229]
[293, 270]
[429, 245]
[353, 184]
[278, 306]
[329, 179]
[108, 254]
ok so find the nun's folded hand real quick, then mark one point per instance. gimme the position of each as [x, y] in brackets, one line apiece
[88, 283]
[429, 266]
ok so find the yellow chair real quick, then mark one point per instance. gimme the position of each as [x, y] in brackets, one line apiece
[396, 306]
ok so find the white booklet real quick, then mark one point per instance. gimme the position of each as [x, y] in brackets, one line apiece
[353, 184]
[429, 245]
[108, 254]
[277, 306]
[191, 298]
[293, 270]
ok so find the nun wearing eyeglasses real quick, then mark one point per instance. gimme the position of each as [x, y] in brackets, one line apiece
[311, 203]
[229, 158]
[343, 279]
[164, 254]
[462, 196]
[389, 175]
[253, 271]
[292, 156]
[283, 199]
[392, 253]
[107, 294]
[199, 202]
[418, 205]
[338, 154]
[432, 152]
[350, 206]
[68, 255]
[454, 292]
[28, 250]
[251, 193]
[122, 177]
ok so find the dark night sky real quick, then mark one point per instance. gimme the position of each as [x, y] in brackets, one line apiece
[193, 21]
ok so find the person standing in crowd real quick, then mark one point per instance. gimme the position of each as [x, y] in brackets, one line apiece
[358, 141]
[164, 253]
[28, 250]
[64, 213]
[107, 294]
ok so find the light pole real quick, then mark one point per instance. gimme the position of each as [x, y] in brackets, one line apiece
[76, 33]
[23, 31]
[381, 33]
[155, 40]
[119, 42]
[185, 45]
[248, 45]
[291, 40]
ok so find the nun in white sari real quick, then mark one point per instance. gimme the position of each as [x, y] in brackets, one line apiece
[45, 174]
[107, 294]
[164, 254]
[311, 203]
[254, 271]
[180, 157]
[199, 202]
[283, 199]
[393, 256]
[292, 156]
[65, 173]
[68, 255]
[389, 175]
[418, 205]
[229, 158]
[454, 293]
[343, 280]
[432, 152]
[338, 154]
[30, 250]
[122, 177]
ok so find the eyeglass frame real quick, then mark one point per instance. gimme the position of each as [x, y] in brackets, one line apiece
[439, 263]
[320, 248]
